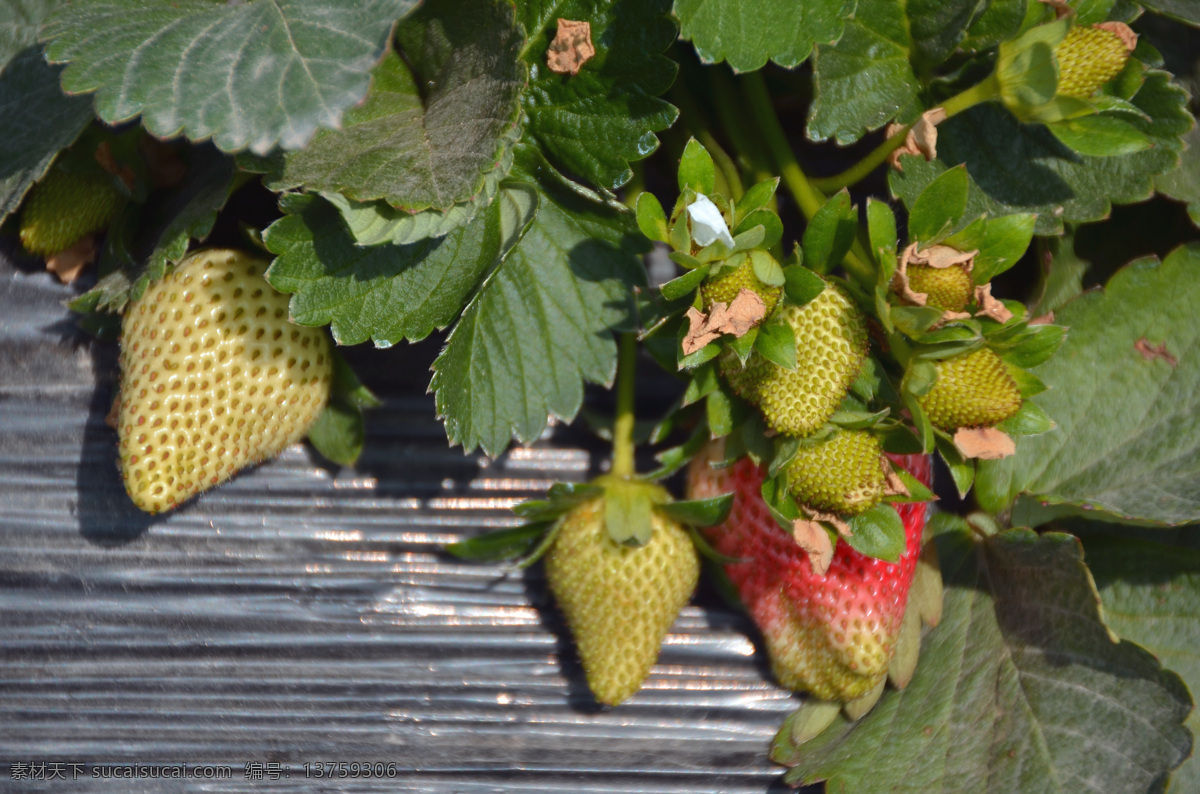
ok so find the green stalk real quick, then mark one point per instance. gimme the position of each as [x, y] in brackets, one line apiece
[987, 90]
[692, 116]
[622, 444]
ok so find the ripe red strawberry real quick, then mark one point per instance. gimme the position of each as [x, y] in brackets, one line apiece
[831, 635]
[63, 207]
[1092, 55]
[619, 600]
[831, 345]
[214, 378]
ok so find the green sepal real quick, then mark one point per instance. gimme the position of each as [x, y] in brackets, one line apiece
[919, 378]
[699, 512]
[917, 491]
[678, 287]
[338, 432]
[881, 230]
[705, 379]
[962, 470]
[913, 321]
[1029, 420]
[878, 533]
[707, 552]
[1035, 345]
[921, 424]
[503, 544]
[629, 511]
[673, 459]
[1026, 70]
[651, 219]
[719, 407]
[858, 420]
[868, 381]
[782, 506]
[766, 269]
[1028, 384]
[755, 199]
[801, 285]
[786, 449]
[1001, 242]
[776, 341]
[696, 169]
[561, 498]
[830, 233]
[769, 221]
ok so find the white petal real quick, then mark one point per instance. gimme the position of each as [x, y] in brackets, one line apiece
[707, 223]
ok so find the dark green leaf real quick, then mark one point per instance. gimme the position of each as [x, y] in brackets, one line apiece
[1127, 409]
[1020, 688]
[830, 233]
[503, 544]
[939, 207]
[699, 512]
[1018, 167]
[1000, 21]
[385, 293]
[1150, 592]
[162, 229]
[1183, 10]
[436, 120]
[878, 533]
[1183, 183]
[248, 75]
[747, 35]
[598, 121]
[937, 26]
[539, 325]
[865, 80]
[36, 122]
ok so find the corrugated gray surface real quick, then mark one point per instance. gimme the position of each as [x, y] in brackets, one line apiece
[303, 615]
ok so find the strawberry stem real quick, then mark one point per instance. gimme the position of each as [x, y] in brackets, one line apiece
[622, 444]
[807, 197]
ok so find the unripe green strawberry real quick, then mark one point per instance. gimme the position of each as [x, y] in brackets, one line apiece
[947, 288]
[214, 378]
[731, 281]
[63, 207]
[843, 474]
[972, 390]
[1090, 56]
[831, 345]
[619, 600]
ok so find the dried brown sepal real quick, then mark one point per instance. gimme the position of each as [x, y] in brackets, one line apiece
[113, 417]
[812, 537]
[736, 318]
[936, 256]
[1151, 352]
[1122, 32]
[1042, 319]
[70, 263]
[833, 519]
[1061, 8]
[989, 306]
[572, 47]
[108, 162]
[984, 443]
[921, 138]
[894, 486]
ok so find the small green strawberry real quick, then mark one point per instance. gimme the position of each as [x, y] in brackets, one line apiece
[843, 474]
[619, 600]
[739, 275]
[214, 378]
[63, 207]
[1092, 55]
[831, 345]
[947, 288]
[972, 390]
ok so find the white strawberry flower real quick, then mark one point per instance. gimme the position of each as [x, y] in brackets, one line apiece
[708, 225]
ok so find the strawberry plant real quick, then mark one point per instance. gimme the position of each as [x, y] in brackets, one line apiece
[863, 240]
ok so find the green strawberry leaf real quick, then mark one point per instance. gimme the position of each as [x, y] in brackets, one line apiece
[1020, 688]
[598, 121]
[385, 293]
[37, 121]
[1018, 167]
[878, 533]
[160, 232]
[539, 325]
[937, 26]
[1001, 20]
[1150, 591]
[747, 35]
[248, 75]
[865, 80]
[1124, 391]
[20, 21]
[1183, 183]
[699, 512]
[436, 120]
[503, 544]
[1182, 10]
